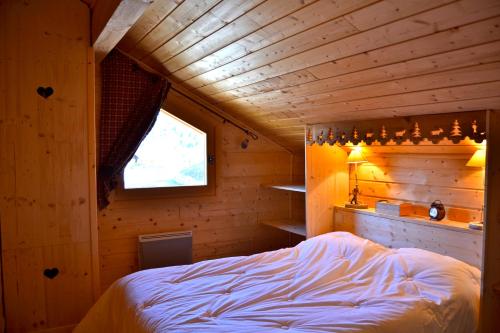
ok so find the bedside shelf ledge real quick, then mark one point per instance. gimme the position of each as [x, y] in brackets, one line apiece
[445, 224]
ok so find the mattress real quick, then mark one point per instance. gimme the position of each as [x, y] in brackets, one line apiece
[335, 282]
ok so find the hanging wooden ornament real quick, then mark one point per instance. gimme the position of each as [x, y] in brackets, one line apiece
[436, 135]
[342, 138]
[330, 138]
[369, 137]
[309, 137]
[456, 132]
[383, 136]
[320, 139]
[355, 136]
[416, 134]
[477, 135]
[399, 136]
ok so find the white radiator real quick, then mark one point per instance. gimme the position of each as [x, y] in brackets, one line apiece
[165, 249]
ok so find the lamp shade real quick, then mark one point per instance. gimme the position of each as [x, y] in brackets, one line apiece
[478, 159]
[356, 156]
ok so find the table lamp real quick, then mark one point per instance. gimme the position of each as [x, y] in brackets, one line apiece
[356, 157]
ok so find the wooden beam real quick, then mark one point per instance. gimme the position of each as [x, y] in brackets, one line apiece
[92, 163]
[111, 20]
[490, 297]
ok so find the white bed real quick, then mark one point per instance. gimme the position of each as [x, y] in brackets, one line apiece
[335, 282]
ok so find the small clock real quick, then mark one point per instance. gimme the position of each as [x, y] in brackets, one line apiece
[437, 211]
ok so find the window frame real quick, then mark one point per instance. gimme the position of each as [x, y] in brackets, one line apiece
[122, 193]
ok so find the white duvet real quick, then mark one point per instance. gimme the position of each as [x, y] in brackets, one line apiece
[335, 282]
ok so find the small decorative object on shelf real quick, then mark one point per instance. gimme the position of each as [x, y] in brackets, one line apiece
[330, 138]
[394, 208]
[369, 137]
[437, 135]
[456, 132]
[416, 134]
[355, 136]
[437, 211]
[399, 136]
[383, 137]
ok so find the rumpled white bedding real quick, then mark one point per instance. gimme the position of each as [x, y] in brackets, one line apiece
[335, 282]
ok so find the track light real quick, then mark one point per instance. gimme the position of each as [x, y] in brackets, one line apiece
[244, 143]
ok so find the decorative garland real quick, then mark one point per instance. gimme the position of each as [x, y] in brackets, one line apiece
[455, 126]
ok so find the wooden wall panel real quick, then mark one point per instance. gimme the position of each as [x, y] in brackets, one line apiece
[327, 178]
[44, 192]
[462, 244]
[225, 224]
[412, 174]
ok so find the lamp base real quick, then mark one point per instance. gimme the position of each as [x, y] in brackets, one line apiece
[357, 206]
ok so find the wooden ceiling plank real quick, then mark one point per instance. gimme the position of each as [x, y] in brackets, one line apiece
[439, 19]
[484, 72]
[219, 16]
[178, 20]
[100, 16]
[325, 33]
[288, 80]
[148, 21]
[292, 24]
[472, 56]
[448, 94]
[310, 39]
[429, 46]
[110, 22]
[262, 15]
[410, 110]
[282, 125]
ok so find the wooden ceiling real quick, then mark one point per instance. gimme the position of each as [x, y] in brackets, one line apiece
[280, 64]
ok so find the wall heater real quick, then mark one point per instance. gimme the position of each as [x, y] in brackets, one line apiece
[165, 249]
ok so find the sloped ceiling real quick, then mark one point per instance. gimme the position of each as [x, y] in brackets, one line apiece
[281, 64]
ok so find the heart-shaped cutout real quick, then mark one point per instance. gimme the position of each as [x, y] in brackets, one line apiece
[51, 272]
[45, 92]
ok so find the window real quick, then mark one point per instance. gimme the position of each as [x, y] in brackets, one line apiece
[174, 154]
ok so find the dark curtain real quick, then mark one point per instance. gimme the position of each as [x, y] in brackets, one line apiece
[131, 100]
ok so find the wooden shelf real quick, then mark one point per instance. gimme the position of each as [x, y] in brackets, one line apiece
[293, 188]
[445, 224]
[295, 227]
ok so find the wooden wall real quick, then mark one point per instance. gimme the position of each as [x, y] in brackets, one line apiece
[44, 169]
[226, 224]
[421, 174]
[327, 181]
[397, 232]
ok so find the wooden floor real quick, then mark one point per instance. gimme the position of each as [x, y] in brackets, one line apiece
[280, 64]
